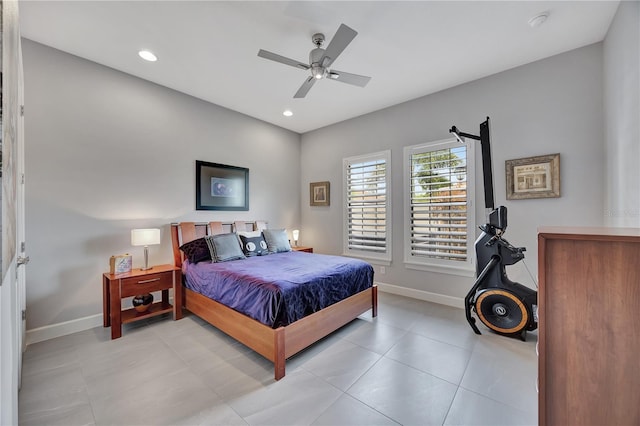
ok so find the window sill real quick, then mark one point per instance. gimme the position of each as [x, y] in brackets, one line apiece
[373, 260]
[463, 272]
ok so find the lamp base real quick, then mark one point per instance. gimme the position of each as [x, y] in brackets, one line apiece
[146, 266]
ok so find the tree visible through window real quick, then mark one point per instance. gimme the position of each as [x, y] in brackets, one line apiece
[438, 222]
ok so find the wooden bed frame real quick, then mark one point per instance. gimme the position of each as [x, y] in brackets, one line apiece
[274, 344]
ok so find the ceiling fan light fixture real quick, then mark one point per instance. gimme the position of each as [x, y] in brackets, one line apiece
[147, 55]
[317, 71]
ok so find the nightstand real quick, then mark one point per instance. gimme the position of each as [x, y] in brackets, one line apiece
[305, 249]
[116, 287]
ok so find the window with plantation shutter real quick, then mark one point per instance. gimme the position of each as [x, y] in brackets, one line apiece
[439, 213]
[367, 208]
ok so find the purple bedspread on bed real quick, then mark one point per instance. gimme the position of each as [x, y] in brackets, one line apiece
[281, 288]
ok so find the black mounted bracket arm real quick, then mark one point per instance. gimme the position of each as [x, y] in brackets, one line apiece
[485, 145]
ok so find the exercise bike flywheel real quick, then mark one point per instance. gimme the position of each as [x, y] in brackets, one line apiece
[501, 311]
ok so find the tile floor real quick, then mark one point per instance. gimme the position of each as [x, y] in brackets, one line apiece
[417, 363]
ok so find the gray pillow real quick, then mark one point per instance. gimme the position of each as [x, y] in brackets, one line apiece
[277, 240]
[224, 247]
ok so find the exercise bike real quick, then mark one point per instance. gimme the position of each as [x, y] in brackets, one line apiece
[504, 306]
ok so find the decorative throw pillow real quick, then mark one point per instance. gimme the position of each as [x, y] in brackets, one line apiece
[253, 246]
[224, 247]
[277, 240]
[196, 250]
[250, 233]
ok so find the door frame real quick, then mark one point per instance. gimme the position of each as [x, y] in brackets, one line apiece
[11, 294]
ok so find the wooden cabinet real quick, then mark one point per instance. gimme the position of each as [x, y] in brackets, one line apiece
[115, 287]
[589, 340]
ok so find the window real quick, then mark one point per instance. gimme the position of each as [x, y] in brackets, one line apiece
[439, 216]
[367, 206]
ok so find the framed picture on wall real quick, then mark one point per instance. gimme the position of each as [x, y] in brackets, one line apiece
[533, 177]
[319, 193]
[221, 187]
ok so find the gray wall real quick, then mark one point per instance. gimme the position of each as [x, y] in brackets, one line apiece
[622, 116]
[550, 106]
[107, 152]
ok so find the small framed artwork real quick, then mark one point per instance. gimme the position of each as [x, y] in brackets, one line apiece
[533, 177]
[120, 264]
[319, 193]
[221, 187]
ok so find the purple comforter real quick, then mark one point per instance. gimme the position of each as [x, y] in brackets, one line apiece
[281, 288]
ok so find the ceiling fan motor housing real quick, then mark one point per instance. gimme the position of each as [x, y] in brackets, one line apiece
[315, 56]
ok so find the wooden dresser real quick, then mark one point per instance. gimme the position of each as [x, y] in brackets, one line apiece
[589, 326]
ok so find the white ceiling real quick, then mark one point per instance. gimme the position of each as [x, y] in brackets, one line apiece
[208, 49]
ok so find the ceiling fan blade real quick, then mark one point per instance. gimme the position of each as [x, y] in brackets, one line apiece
[304, 89]
[345, 77]
[278, 58]
[338, 43]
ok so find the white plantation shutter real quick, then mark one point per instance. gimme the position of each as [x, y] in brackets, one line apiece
[439, 216]
[367, 206]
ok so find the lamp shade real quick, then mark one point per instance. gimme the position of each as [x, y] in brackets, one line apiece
[145, 237]
[296, 234]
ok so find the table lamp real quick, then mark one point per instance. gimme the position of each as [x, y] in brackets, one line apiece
[145, 237]
[295, 233]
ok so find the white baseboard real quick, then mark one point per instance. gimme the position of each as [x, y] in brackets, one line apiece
[52, 331]
[456, 302]
[69, 327]
[62, 329]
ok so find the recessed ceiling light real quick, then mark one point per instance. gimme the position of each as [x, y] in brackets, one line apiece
[147, 56]
[538, 20]
[287, 113]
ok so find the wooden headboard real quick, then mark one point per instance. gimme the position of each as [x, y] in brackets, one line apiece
[184, 232]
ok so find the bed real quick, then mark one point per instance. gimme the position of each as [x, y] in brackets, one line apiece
[284, 334]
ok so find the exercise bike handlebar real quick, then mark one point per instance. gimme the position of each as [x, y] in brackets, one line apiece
[504, 243]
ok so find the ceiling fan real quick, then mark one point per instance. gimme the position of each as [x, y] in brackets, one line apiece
[321, 59]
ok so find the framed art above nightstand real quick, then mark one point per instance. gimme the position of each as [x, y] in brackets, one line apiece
[319, 193]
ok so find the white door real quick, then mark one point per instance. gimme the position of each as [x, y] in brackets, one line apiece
[12, 281]
[21, 246]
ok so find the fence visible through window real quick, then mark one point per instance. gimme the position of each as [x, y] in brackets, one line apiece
[438, 204]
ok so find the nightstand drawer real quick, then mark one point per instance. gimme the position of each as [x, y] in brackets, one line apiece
[146, 284]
